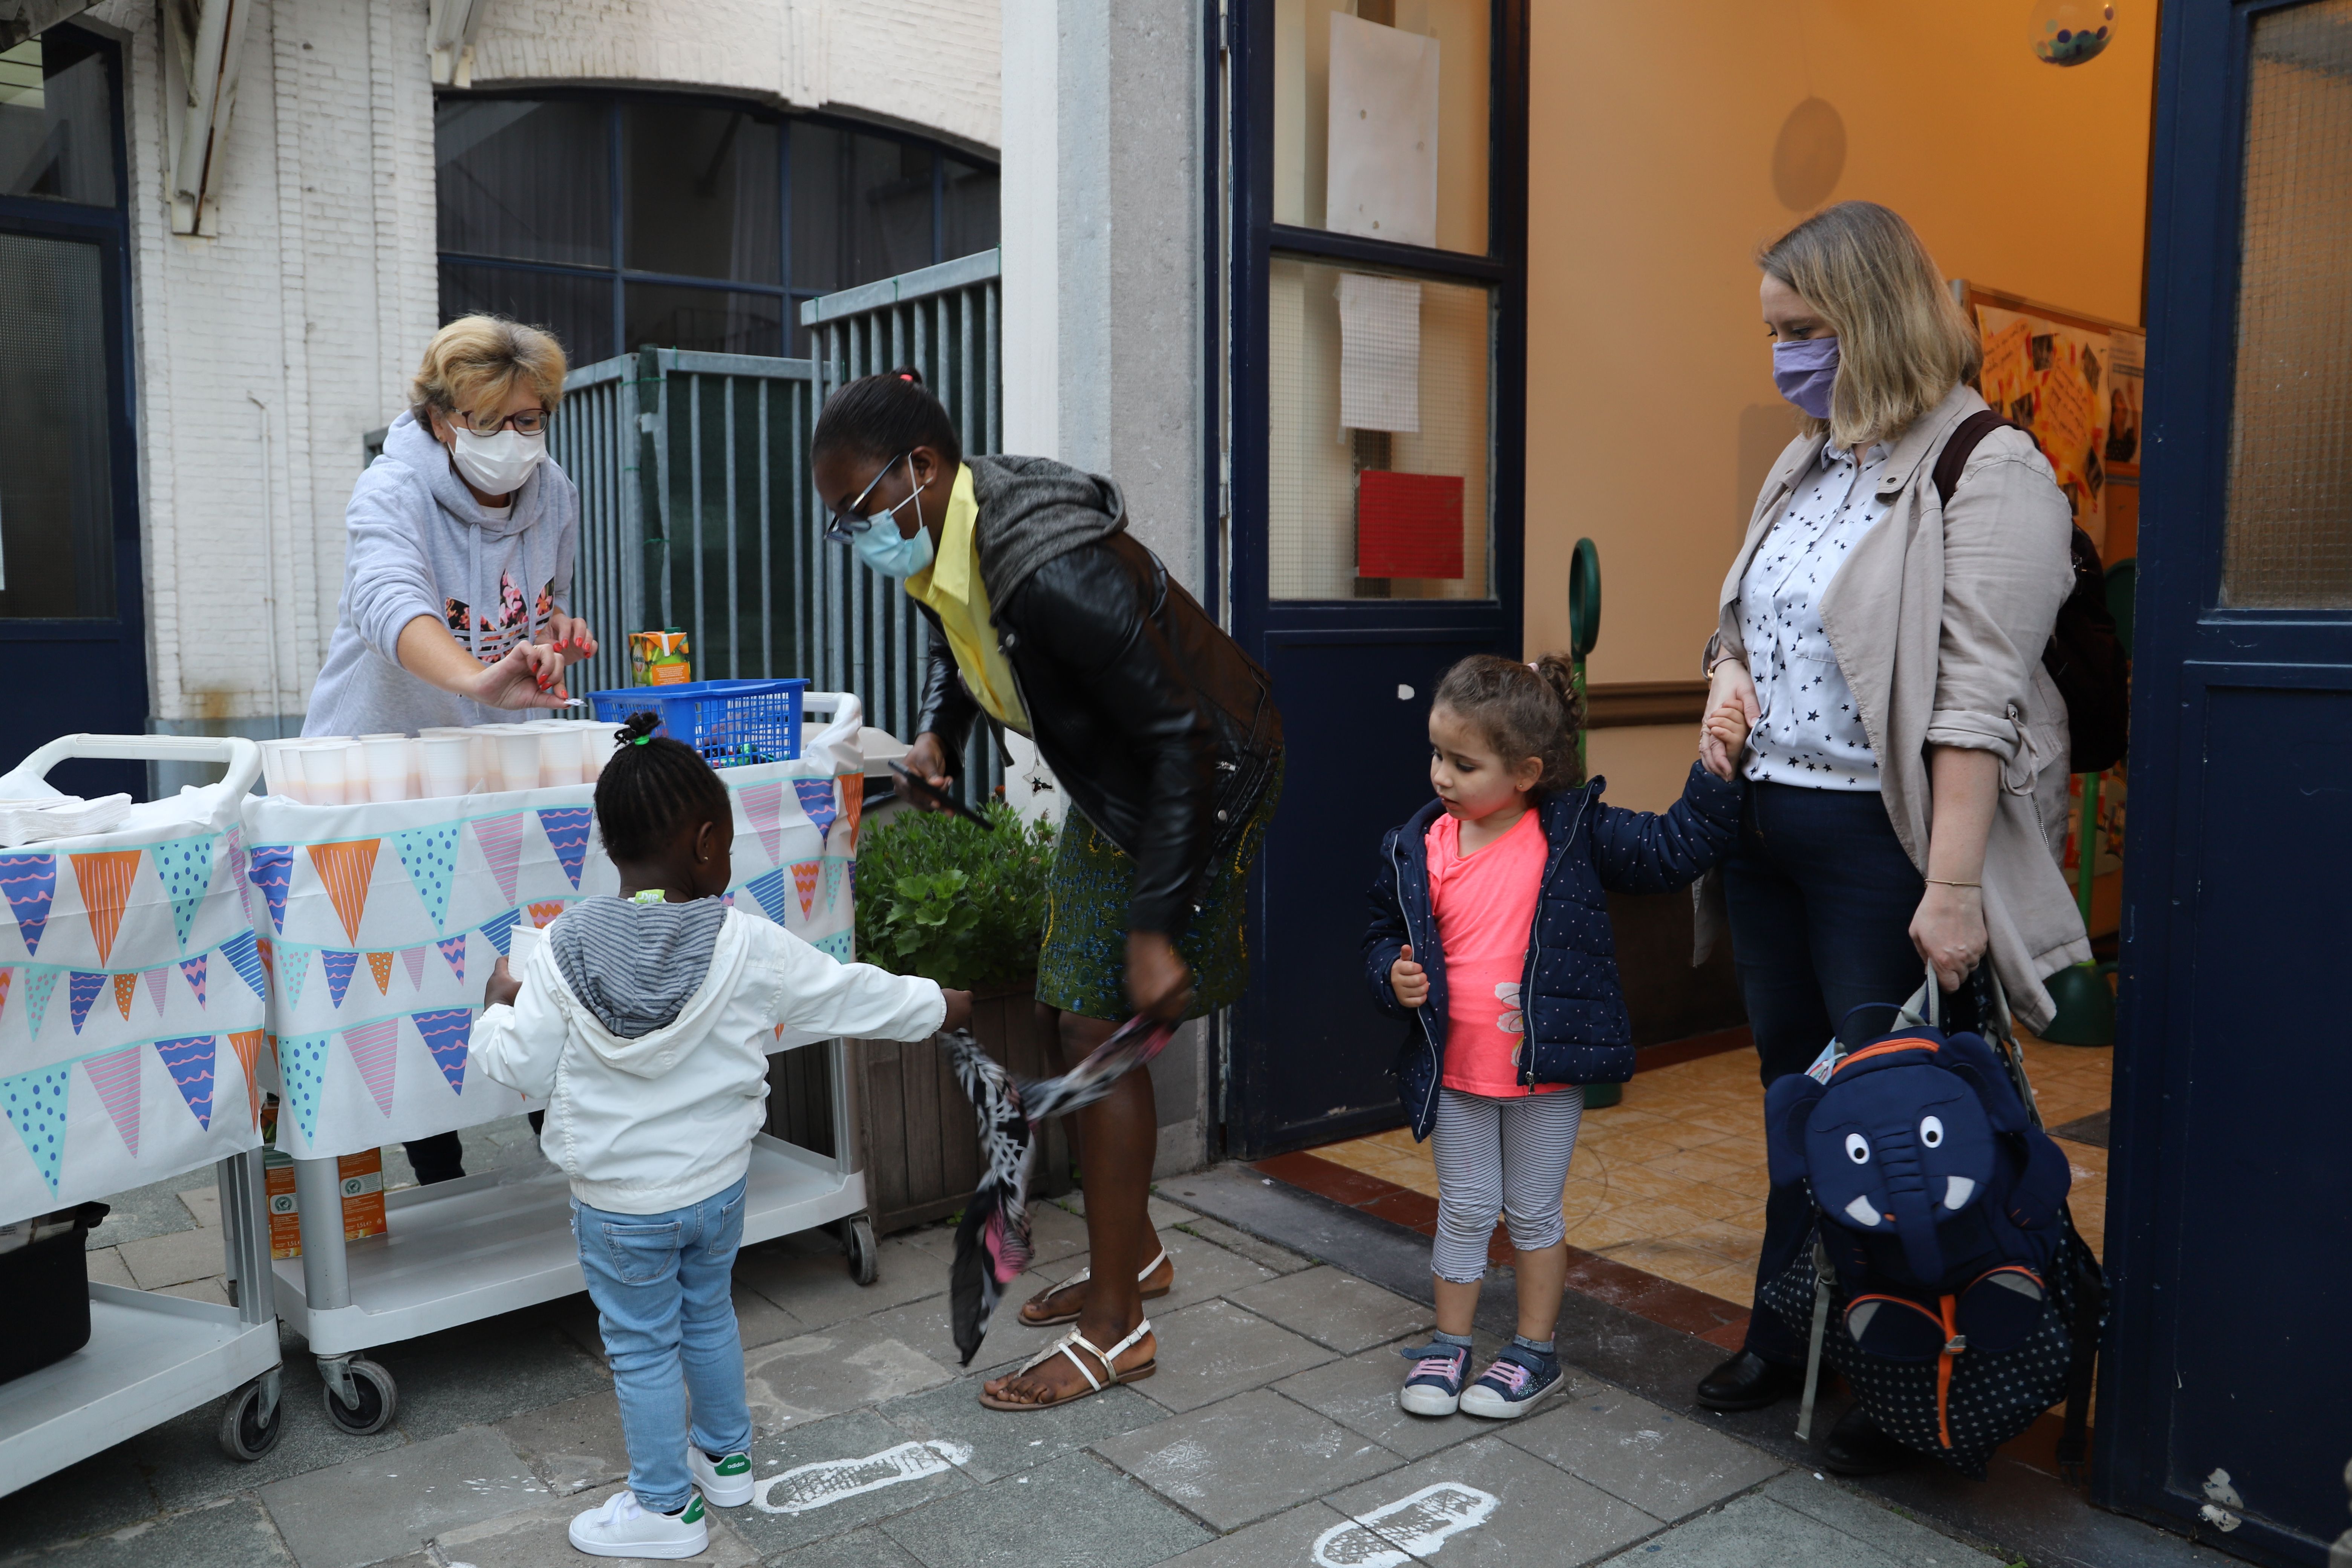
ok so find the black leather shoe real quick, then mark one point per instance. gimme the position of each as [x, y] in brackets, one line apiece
[1749, 1382]
[1855, 1446]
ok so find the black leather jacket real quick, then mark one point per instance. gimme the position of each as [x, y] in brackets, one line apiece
[1161, 729]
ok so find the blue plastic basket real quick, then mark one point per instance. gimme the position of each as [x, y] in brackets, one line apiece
[732, 723]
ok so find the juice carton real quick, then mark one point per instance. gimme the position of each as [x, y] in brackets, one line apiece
[659, 658]
[363, 1187]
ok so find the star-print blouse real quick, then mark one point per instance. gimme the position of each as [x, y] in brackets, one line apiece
[1811, 731]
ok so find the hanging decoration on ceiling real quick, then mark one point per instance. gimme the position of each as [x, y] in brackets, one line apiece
[2068, 32]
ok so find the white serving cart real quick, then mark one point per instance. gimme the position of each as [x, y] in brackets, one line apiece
[152, 1356]
[459, 1251]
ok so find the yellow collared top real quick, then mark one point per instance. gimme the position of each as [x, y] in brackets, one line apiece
[951, 585]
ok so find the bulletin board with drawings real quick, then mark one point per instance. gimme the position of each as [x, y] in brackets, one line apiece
[2074, 381]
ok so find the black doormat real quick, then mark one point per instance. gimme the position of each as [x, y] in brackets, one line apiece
[2091, 1129]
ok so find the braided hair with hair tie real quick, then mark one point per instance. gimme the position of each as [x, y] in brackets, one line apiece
[653, 786]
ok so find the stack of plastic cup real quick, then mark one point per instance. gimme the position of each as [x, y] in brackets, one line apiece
[445, 764]
[391, 770]
[559, 754]
[517, 755]
[327, 767]
[281, 768]
[596, 740]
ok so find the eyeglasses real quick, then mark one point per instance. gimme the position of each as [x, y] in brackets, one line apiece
[530, 422]
[849, 519]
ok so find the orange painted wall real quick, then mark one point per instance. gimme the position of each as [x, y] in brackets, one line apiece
[1651, 412]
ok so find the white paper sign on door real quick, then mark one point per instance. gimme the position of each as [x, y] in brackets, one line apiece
[1381, 178]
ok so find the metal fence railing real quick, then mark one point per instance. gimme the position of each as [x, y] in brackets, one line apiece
[698, 510]
[943, 321]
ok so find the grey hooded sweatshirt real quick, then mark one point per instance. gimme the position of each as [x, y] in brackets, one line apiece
[421, 545]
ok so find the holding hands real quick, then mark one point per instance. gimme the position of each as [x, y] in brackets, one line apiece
[1409, 980]
[1732, 709]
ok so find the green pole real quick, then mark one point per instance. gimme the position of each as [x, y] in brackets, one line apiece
[1583, 619]
[1583, 631]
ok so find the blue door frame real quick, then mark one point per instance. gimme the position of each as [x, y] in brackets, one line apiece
[89, 673]
[1306, 1056]
[2231, 1174]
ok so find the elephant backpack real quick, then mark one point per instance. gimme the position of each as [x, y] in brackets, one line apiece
[1946, 1281]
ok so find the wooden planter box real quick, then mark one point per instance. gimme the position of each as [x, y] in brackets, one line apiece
[922, 1149]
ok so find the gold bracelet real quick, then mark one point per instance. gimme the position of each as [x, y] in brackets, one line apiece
[1942, 883]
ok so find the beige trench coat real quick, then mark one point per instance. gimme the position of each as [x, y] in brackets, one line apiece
[1937, 619]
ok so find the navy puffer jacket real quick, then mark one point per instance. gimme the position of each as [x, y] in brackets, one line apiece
[1574, 1006]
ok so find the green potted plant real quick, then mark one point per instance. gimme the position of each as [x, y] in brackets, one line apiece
[939, 897]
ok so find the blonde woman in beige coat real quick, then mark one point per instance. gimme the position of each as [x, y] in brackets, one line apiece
[1907, 765]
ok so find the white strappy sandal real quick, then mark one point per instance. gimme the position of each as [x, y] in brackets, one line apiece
[1070, 1344]
[1080, 1277]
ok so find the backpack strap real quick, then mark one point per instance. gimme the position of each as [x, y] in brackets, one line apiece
[1821, 1329]
[1959, 445]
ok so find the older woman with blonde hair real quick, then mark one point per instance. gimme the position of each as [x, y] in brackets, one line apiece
[1907, 757]
[457, 572]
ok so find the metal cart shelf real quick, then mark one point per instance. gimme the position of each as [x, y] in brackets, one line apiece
[152, 1356]
[456, 1252]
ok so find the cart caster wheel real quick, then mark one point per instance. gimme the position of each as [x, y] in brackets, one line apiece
[379, 1401]
[244, 1437]
[864, 1261]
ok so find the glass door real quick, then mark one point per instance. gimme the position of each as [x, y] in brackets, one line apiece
[71, 620]
[1377, 183]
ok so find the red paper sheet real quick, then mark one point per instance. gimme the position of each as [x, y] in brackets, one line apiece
[1408, 525]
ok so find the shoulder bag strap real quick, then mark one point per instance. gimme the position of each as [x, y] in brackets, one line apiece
[1958, 446]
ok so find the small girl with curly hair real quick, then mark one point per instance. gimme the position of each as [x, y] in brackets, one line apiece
[1490, 935]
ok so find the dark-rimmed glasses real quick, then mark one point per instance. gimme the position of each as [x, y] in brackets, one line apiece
[530, 422]
[849, 519]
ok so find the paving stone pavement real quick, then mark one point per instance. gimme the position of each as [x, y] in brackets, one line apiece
[1269, 1435]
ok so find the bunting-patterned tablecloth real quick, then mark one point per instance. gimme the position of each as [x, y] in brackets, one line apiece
[132, 1011]
[379, 924]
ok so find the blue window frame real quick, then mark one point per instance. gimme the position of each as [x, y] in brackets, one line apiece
[72, 607]
[619, 220]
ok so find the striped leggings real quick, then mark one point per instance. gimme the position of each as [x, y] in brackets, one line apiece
[1506, 1154]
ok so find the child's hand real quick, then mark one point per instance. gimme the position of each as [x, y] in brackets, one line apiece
[503, 987]
[1728, 726]
[1409, 980]
[959, 1011]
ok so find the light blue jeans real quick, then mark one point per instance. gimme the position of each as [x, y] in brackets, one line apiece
[661, 1283]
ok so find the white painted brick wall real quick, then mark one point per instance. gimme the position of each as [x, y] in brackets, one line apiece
[320, 288]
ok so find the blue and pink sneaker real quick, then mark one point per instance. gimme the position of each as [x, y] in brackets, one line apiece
[1512, 1383]
[1435, 1386]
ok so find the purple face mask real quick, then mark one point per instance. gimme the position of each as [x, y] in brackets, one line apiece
[1805, 371]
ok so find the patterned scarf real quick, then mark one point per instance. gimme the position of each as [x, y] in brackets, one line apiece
[992, 1244]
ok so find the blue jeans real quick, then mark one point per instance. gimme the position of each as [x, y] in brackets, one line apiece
[1821, 896]
[662, 1285]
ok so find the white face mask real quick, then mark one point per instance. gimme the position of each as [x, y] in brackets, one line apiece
[497, 465]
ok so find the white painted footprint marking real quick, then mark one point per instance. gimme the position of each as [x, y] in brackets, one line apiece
[1392, 1535]
[806, 1487]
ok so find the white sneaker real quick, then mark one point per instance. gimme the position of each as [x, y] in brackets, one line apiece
[725, 1484]
[620, 1527]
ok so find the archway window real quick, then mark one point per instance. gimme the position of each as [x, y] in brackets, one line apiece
[623, 221]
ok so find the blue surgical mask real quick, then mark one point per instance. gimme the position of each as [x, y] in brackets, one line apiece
[1804, 371]
[882, 550]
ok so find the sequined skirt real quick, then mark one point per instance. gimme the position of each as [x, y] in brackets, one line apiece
[1082, 963]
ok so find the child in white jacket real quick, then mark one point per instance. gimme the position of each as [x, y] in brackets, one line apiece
[645, 1021]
